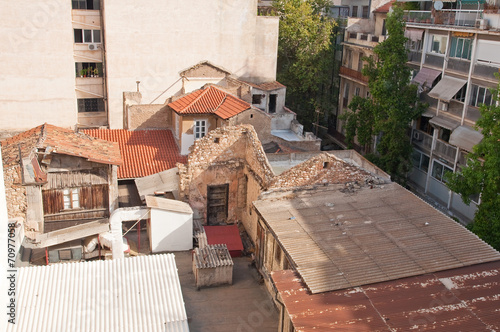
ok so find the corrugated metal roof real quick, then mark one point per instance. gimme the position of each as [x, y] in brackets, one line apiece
[132, 294]
[444, 122]
[426, 76]
[144, 152]
[210, 100]
[212, 255]
[168, 204]
[465, 137]
[463, 299]
[339, 239]
[447, 88]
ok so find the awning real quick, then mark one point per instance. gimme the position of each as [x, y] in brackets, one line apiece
[429, 113]
[447, 88]
[444, 122]
[426, 77]
[465, 137]
[414, 34]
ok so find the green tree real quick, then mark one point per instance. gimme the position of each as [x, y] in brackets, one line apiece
[393, 104]
[305, 56]
[482, 175]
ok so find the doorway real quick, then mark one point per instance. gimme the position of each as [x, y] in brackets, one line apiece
[217, 197]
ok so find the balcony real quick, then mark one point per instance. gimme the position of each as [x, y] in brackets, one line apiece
[434, 60]
[445, 151]
[459, 65]
[422, 140]
[414, 56]
[353, 74]
[485, 71]
[472, 114]
[448, 17]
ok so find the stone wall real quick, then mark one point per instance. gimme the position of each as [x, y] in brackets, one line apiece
[149, 117]
[15, 193]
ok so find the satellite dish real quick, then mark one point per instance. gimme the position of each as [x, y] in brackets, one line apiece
[438, 5]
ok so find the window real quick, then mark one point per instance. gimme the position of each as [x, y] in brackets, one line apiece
[440, 171]
[91, 105]
[272, 103]
[354, 11]
[346, 95]
[420, 161]
[85, 4]
[460, 96]
[438, 44]
[87, 36]
[88, 69]
[356, 91]
[360, 62]
[444, 134]
[480, 95]
[256, 99]
[461, 48]
[414, 45]
[200, 128]
[384, 29]
[366, 12]
[71, 198]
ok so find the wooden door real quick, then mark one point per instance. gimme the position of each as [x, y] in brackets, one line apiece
[217, 197]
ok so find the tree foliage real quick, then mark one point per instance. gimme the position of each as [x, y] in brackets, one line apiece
[482, 175]
[305, 57]
[393, 104]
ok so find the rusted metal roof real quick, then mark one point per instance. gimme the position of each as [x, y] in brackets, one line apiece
[462, 299]
[210, 100]
[144, 152]
[339, 239]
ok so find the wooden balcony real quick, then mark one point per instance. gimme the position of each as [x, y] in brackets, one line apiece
[353, 74]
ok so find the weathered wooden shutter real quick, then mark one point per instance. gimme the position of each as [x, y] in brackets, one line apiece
[52, 201]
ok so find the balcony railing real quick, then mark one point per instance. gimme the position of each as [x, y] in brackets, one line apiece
[414, 56]
[460, 65]
[434, 60]
[473, 113]
[484, 70]
[354, 74]
[421, 139]
[445, 150]
[454, 17]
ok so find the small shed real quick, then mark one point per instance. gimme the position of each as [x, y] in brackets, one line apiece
[171, 225]
[212, 265]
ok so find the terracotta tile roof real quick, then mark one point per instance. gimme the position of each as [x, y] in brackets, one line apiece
[62, 141]
[267, 86]
[144, 152]
[210, 100]
[462, 299]
[385, 7]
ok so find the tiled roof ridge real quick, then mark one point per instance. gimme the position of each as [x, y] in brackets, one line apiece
[203, 93]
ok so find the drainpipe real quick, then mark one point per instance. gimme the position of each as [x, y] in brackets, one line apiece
[115, 222]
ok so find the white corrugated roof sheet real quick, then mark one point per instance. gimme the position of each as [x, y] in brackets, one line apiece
[132, 294]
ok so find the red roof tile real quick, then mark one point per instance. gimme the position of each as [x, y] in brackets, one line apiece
[62, 141]
[144, 152]
[210, 100]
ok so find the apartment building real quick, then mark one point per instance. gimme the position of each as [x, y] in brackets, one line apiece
[454, 51]
[69, 62]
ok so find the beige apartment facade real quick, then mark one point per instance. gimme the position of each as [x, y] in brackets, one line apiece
[68, 63]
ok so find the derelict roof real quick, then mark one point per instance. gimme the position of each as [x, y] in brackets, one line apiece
[133, 294]
[444, 122]
[447, 88]
[465, 137]
[210, 100]
[338, 240]
[168, 204]
[62, 141]
[464, 299]
[165, 181]
[267, 86]
[426, 76]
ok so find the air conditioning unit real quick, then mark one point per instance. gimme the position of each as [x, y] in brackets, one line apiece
[417, 136]
[444, 107]
[482, 24]
[93, 47]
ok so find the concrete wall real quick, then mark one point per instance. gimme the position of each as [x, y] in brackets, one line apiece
[170, 231]
[37, 84]
[151, 41]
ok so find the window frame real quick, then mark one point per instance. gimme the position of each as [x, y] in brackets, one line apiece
[200, 128]
[85, 107]
[430, 47]
[80, 34]
[422, 156]
[365, 11]
[442, 175]
[85, 4]
[71, 199]
[354, 12]
[475, 96]
[455, 44]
